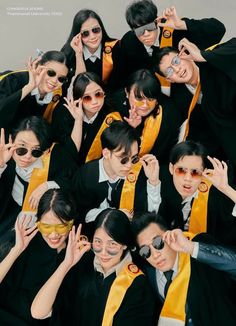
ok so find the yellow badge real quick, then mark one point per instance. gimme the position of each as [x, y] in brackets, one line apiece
[166, 33]
[108, 49]
[109, 120]
[203, 187]
[56, 98]
[131, 177]
[133, 268]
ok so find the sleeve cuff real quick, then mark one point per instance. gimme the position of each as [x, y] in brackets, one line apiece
[52, 185]
[195, 250]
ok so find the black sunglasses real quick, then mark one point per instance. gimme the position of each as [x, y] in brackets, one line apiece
[124, 160]
[34, 152]
[157, 243]
[95, 30]
[52, 73]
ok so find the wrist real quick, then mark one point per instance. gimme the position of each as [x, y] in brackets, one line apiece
[181, 25]
[154, 182]
[189, 246]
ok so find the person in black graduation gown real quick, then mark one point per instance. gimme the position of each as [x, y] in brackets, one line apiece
[28, 168]
[118, 179]
[34, 91]
[148, 33]
[145, 108]
[212, 120]
[89, 48]
[96, 288]
[203, 293]
[34, 257]
[190, 198]
[77, 121]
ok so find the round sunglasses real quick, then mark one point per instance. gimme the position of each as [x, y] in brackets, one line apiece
[124, 160]
[99, 95]
[21, 151]
[174, 62]
[95, 30]
[52, 73]
[195, 173]
[157, 243]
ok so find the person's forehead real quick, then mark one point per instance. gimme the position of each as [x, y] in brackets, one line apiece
[146, 236]
[190, 161]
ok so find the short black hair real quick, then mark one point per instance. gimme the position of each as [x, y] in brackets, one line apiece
[188, 148]
[160, 54]
[141, 221]
[57, 56]
[39, 126]
[140, 13]
[119, 135]
[82, 80]
[60, 202]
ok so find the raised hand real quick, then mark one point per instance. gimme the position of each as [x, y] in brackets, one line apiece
[74, 107]
[6, 150]
[134, 119]
[172, 19]
[189, 51]
[218, 175]
[151, 168]
[177, 241]
[76, 247]
[24, 234]
[36, 72]
[76, 44]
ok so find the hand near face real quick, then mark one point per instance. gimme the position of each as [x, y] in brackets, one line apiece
[218, 175]
[177, 241]
[76, 248]
[6, 150]
[172, 19]
[24, 234]
[37, 194]
[189, 51]
[134, 119]
[75, 108]
[151, 168]
[36, 72]
[76, 44]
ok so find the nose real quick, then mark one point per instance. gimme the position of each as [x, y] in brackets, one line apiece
[94, 100]
[188, 176]
[155, 253]
[146, 32]
[28, 154]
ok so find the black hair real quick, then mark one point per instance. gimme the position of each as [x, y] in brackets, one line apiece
[57, 56]
[39, 127]
[144, 82]
[117, 226]
[60, 202]
[141, 221]
[82, 80]
[140, 13]
[119, 135]
[188, 148]
[160, 54]
[78, 21]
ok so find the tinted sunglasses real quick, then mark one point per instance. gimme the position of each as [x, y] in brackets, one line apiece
[150, 102]
[157, 243]
[139, 31]
[195, 174]
[34, 152]
[174, 62]
[52, 73]
[45, 228]
[88, 98]
[111, 250]
[95, 30]
[124, 160]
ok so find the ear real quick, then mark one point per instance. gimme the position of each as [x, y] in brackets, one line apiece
[106, 153]
[171, 168]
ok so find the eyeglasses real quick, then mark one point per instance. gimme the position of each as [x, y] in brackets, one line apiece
[88, 98]
[124, 160]
[112, 248]
[195, 174]
[174, 62]
[150, 102]
[95, 30]
[157, 243]
[57, 228]
[52, 73]
[34, 152]
[139, 31]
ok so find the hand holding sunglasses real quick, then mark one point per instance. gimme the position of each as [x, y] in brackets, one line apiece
[6, 150]
[36, 73]
[151, 168]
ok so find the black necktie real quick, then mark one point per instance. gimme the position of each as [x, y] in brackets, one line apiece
[168, 276]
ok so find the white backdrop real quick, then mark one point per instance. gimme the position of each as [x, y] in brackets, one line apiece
[45, 24]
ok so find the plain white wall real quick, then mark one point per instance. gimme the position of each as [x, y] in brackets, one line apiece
[45, 24]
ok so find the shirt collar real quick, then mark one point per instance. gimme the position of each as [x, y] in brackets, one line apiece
[91, 120]
[149, 48]
[102, 173]
[47, 98]
[117, 269]
[188, 199]
[92, 56]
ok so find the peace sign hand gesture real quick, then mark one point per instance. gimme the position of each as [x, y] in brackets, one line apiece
[6, 150]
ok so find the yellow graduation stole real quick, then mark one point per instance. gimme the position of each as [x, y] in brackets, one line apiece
[166, 40]
[10, 73]
[95, 150]
[38, 177]
[117, 292]
[175, 301]
[107, 62]
[198, 216]
[150, 133]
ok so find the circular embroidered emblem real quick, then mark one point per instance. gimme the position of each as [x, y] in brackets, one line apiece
[166, 33]
[133, 268]
[131, 177]
[56, 98]
[108, 49]
[203, 187]
[109, 120]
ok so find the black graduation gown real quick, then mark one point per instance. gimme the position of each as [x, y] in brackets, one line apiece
[23, 281]
[89, 193]
[62, 124]
[84, 293]
[209, 297]
[133, 55]
[11, 108]
[171, 120]
[220, 222]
